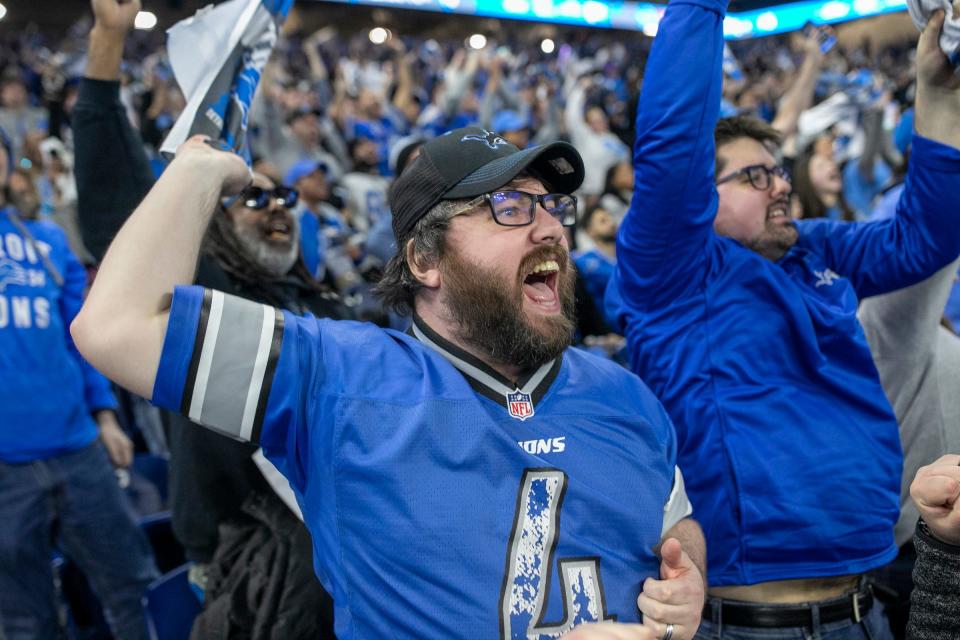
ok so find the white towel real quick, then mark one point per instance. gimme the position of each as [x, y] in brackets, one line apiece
[217, 56]
[921, 10]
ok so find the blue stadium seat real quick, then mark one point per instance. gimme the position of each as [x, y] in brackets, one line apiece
[171, 606]
[155, 469]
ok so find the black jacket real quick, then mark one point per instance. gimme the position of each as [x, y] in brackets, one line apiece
[935, 602]
[260, 584]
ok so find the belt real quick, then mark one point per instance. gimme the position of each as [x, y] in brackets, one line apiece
[853, 606]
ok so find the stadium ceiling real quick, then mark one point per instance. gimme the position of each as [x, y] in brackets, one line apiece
[746, 18]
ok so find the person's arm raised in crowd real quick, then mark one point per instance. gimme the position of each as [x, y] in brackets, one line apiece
[936, 595]
[549, 130]
[111, 168]
[319, 76]
[121, 327]
[883, 256]
[491, 94]
[873, 134]
[403, 62]
[573, 116]
[268, 114]
[799, 96]
[661, 243]
[458, 77]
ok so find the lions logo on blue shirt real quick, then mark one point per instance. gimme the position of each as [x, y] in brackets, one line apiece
[520, 405]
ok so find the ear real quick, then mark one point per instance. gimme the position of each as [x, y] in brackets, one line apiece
[427, 274]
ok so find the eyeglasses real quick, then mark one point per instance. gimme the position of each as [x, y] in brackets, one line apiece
[760, 176]
[518, 208]
[259, 198]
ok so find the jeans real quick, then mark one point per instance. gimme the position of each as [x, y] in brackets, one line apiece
[72, 499]
[873, 626]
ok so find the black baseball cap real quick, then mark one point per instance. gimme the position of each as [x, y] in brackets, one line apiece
[468, 162]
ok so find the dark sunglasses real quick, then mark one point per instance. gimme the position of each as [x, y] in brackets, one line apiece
[259, 198]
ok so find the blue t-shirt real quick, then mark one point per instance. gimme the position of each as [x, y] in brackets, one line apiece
[443, 500]
[48, 391]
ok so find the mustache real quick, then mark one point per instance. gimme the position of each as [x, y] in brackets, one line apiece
[784, 201]
[541, 254]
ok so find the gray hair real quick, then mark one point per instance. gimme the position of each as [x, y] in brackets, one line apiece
[398, 287]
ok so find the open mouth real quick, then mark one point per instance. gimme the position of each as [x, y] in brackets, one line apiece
[540, 285]
[278, 231]
[778, 211]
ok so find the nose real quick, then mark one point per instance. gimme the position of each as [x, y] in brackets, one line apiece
[780, 188]
[545, 228]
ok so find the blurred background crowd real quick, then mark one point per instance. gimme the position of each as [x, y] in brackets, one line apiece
[341, 108]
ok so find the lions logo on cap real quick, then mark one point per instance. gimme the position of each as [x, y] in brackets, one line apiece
[489, 138]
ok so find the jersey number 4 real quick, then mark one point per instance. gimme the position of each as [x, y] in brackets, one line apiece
[526, 583]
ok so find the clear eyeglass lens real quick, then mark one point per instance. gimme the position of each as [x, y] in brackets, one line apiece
[512, 207]
[760, 177]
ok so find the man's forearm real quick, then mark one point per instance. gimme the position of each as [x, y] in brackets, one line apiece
[690, 536]
[105, 54]
[121, 326]
[798, 98]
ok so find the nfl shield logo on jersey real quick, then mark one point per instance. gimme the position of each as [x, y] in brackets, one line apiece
[520, 405]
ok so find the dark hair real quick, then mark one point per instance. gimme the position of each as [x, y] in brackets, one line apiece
[398, 286]
[609, 188]
[587, 216]
[810, 203]
[736, 127]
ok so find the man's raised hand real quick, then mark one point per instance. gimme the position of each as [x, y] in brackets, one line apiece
[938, 88]
[210, 159]
[677, 598]
[115, 15]
[936, 492]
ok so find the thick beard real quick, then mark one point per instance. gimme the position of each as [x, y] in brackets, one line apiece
[488, 311]
[775, 241]
[275, 260]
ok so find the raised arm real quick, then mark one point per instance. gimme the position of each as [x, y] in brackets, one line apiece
[922, 237]
[111, 168]
[800, 95]
[661, 242]
[121, 326]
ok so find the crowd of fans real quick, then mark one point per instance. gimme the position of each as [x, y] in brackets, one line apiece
[335, 120]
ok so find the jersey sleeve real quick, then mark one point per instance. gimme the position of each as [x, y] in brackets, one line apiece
[245, 370]
[219, 360]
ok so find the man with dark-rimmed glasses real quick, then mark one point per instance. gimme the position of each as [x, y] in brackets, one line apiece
[472, 478]
[744, 324]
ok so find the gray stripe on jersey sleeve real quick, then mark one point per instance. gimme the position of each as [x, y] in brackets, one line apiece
[228, 383]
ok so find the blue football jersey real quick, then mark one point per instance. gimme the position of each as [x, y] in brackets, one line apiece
[443, 500]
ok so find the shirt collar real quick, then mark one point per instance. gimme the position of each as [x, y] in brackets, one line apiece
[483, 378]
